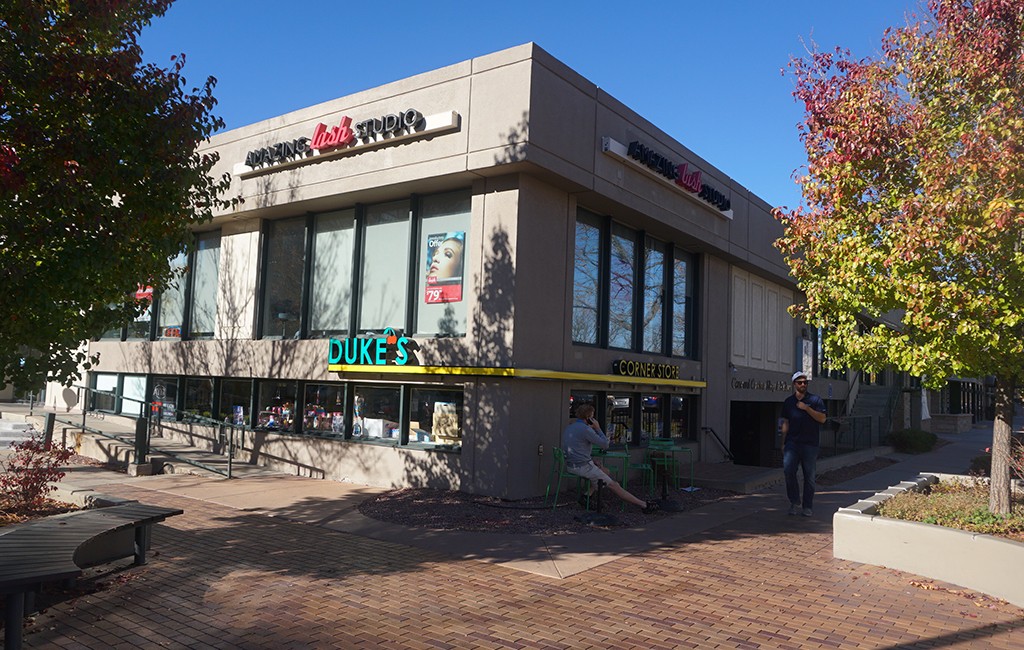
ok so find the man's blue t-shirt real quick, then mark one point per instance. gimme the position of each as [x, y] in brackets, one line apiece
[578, 440]
[803, 429]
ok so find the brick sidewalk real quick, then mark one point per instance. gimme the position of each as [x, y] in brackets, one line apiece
[225, 578]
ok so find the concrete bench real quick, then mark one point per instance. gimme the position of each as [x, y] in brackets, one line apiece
[58, 548]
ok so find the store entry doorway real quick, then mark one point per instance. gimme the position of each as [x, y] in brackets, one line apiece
[752, 433]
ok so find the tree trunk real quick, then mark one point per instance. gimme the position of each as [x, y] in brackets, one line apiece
[999, 489]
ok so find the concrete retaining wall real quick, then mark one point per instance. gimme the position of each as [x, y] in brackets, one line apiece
[988, 564]
[946, 423]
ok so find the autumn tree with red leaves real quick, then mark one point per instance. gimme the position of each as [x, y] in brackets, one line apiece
[913, 196]
[100, 180]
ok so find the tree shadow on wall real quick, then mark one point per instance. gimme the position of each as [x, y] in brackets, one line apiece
[486, 407]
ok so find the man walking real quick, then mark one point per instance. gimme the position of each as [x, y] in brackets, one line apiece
[803, 413]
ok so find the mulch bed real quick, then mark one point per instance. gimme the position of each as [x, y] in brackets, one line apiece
[451, 510]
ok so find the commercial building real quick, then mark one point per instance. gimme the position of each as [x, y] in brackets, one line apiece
[420, 279]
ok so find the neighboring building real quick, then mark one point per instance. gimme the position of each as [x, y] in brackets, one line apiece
[423, 277]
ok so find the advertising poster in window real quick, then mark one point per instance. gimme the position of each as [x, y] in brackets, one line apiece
[445, 264]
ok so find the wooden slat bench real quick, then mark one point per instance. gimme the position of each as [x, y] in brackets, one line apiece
[58, 548]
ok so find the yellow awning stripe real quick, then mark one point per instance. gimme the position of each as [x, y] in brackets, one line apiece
[519, 373]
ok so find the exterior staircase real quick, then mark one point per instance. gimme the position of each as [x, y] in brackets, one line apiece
[874, 403]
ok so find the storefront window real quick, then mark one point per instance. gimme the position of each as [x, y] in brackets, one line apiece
[620, 418]
[165, 396]
[578, 397]
[442, 257]
[654, 296]
[199, 396]
[331, 290]
[383, 294]
[376, 413]
[205, 274]
[107, 383]
[140, 326]
[133, 391]
[282, 280]
[681, 416]
[436, 416]
[652, 422]
[172, 302]
[586, 288]
[682, 304]
[236, 401]
[115, 334]
[277, 405]
[621, 287]
[324, 412]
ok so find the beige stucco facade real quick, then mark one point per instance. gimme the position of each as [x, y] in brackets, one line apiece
[528, 139]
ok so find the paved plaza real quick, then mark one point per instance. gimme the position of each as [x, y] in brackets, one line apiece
[284, 562]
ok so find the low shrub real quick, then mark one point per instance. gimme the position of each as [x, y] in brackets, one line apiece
[981, 465]
[955, 504]
[29, 472]
[912, 441]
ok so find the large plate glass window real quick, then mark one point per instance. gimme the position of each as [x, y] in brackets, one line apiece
[622, 284]
[324, 411]
[376, 412]
[586, 286]
[681, 417]
[199, 396]
[654, 296]
[133, 392]
[172, 302]
[383, 293]
[205, 273]
[107, 383]
[621, 420]
[277, 405]
[682, 304]
[442, 255]
[435, 417]
[652, 422]
[139, 328]
[331, 290]
[165, 396]
[282, 280]
[577, 397]
[236, 401]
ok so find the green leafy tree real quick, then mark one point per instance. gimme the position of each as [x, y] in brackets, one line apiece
[912, 203]
[100, 180]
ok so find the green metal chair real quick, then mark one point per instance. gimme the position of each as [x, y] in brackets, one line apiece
[660, 457]
[558, 472]
[661, 454]
[646, 471]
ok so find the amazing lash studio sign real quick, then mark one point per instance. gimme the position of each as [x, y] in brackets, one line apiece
[680, 175]
[345, 137]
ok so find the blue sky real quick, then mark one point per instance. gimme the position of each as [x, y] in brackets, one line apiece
[707, 73]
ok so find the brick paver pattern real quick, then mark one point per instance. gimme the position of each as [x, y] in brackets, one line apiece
[223, 578]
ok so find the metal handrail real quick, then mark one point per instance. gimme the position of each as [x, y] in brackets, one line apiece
[728, 454]
[143, 448]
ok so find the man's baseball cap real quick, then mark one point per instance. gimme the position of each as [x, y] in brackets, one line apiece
[798, 375]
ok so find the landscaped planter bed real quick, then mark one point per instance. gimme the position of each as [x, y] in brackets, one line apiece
[985, 563]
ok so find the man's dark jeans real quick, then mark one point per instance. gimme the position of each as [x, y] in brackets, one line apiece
[807, 457]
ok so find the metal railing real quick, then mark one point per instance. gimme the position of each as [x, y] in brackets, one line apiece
[846, 434]
[725, 448]
[144, 423]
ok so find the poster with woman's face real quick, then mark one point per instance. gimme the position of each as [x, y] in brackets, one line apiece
[445, 265]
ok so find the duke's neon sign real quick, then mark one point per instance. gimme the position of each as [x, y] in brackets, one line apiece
[369, 351]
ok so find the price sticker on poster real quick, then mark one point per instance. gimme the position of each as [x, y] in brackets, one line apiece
[445, 265]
